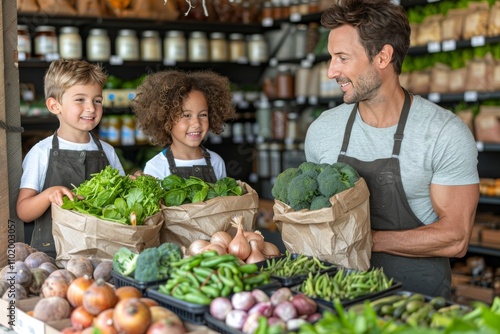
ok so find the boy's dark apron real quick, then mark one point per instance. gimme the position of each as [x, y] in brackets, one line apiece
[389, 210]
[206, 173]
[65, 168]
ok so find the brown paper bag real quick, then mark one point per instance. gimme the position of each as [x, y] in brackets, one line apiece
[487, 124]
[189, 222]
[340, 234]
[81, 235]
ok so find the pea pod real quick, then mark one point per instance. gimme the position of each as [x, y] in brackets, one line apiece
[214, 261]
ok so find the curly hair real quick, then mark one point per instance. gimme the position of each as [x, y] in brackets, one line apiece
[66, 73]
[378, 22]
[159, 100]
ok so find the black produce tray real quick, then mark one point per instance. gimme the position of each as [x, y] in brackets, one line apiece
[289, 281]
[347, 302]
[221, 327]
[121, 280]
[191, 312]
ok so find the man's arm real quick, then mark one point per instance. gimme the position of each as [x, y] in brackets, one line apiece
[448, 237]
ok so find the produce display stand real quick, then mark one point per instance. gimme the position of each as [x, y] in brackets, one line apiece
[121, 280]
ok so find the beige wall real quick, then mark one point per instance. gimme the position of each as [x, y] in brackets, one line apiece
[10, 135]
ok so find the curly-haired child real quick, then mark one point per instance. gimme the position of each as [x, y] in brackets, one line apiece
[176, 110]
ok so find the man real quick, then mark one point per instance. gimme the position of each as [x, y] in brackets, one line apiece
[418, 159]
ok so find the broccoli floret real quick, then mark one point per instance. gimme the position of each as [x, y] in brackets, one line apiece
[125, 261]
[302, 188]
[320, 202]
[149, 266]
[169, 252]
[308, 166]
[350, 175]
[329, 181]
[297, 206]
[280, 187]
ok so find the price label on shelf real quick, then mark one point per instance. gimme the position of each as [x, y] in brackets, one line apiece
[449, 45]
[477, 41]
[434, 97]
[470, 96]
[21, 56]
[50, 57]
[273, 62]
[480, 146]
[433, 47]
[168, 62]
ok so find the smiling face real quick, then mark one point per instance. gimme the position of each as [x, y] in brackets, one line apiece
[191, 128]
[79, 111]
[350, 65]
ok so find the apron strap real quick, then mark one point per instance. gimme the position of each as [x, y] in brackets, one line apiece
[398, 136]
[348, 129]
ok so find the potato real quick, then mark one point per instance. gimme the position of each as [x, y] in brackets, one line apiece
[34, 260]
[64, 273]
[23, 274]
[103, 270]
[54, 286]
[4, 286]
[22, 251]
[52, 309]
[80, 267]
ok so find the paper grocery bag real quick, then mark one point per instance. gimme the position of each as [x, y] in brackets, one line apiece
[82, 235]
[340, 234]
[189, 222]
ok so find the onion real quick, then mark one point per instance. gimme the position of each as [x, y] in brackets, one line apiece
[243, 300]
[304, 304]
[262, 308]
[236, 319]
[257, 236]
[196, 246]
[216, 247]
[222, 238]
[255, 254]
[220, 307]
[270, 250]
[251, 323]
[285, 311]
[260, 296]
[239, 246]
[282, 294]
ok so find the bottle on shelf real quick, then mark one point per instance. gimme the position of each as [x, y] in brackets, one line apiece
[98, 45]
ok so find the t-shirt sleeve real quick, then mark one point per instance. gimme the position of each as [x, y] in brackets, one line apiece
[113, 159]
[455, 156]
[34, 169]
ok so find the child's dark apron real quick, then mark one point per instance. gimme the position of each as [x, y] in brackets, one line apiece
[389, 210]
[206, 173]
[65, 168]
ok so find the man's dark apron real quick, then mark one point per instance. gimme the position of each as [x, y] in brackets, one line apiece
[390, 210]
[206, 173]
[65, 168]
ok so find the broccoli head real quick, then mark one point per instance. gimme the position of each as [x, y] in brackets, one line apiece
[350, 175]
[169, 252]
[303, 188]
[149, 266]
[329, 181]
[320, 202]
[125, 261]
[280, 187]
[308, 166]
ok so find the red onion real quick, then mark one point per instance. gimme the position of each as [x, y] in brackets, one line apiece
[251, 323]
[220, 307]
[260, 296]
[275, 321]
[314, 317]
[236, 319]
[280, 295]
[304, 304]
[294, 324]
[285, 311]
[262, 308]
[243, 300]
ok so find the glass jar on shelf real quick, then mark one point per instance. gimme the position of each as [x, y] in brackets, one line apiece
[127, 45]
[257, 49]
[198, 47]
[70, 43]
[45, 41]
[218, 47]
[23, 42]
[150, 46]
[98, 45]
[174, 47]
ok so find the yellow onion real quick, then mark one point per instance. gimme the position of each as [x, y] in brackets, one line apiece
[216, 247]
[239, 246]
[270, 250]
[222, 238]
[257, 236]
[196, 246]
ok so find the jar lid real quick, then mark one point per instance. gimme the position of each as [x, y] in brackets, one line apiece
[150, 33]
[98, 32]
[175, 33]
[198, 34]
[283, 68]
[68, 30]
[45, 28]
[22, 27]
[127, 32]
[235, 36]
[256, 37]
[217, 35]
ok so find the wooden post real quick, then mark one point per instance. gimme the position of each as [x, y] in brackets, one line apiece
[11, 229]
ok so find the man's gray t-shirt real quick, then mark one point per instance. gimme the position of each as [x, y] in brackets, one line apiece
[437, 148]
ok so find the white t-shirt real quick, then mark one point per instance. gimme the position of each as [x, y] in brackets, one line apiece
[159, 168]
[437, 148]
[36, 161]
